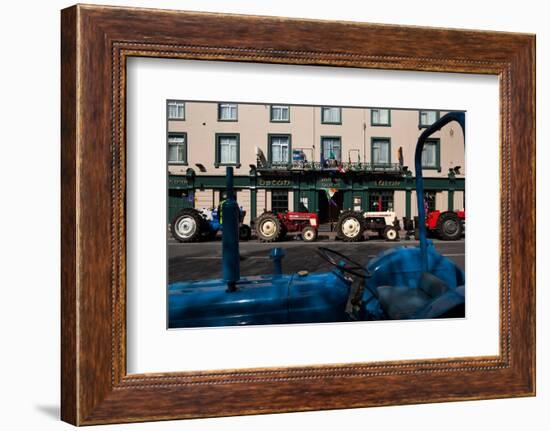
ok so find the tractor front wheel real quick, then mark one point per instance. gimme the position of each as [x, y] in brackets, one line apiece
[350, 226]
[309, 234]
[449, 226]
[187, 225]
[391, 233]
[268, 227]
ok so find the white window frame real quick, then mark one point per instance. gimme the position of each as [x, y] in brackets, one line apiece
[182, 145]
[426, 111]
[179, 104]
[281, 109]
[325, 109]
[233, 108]
[376, 112]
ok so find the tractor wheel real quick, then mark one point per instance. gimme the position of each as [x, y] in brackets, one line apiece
[391, 233]
[187, 225]
[268, 227]
[245, 233]
[309, 234]
[350, 226]
[449, 226]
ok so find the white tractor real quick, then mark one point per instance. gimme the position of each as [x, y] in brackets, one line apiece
[352, 225]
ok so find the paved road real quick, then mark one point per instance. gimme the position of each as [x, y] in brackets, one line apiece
[203, 260]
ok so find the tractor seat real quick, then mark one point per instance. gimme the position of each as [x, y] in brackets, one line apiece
[403, 302]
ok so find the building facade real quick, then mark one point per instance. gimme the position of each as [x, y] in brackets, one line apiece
[319, 159]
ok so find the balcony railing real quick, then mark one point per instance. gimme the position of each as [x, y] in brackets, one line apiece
[329, 165]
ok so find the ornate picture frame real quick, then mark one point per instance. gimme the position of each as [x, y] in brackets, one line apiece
[96, 41]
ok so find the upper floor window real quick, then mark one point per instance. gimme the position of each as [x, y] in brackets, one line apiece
[380, 117]
[227, 149]
[176, 110]
[380, 151]
[430, 154]
[280, 113]
[331, 115]
[227, 112]
[331, 150]
[279, 148]
[427, 118]
[177, 148]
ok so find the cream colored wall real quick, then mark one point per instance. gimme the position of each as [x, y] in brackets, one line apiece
[306, 129]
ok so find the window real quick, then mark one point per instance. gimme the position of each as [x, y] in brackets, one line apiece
[331, 115]
[176, 110]
[380, 151]
[331, 149]
[279, 201]
[279, 148]
[227, 149]
[430, 199]
[430, 154]
[227, 112]
[381, 200]
[280, 114]
[177, 148]
[303, 204]
[380, 117]
[427, 118]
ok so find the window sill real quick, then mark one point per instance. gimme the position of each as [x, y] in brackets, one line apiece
[220, 165]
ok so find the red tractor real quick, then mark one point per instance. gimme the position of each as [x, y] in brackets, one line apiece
[271, 227]
[446, 225]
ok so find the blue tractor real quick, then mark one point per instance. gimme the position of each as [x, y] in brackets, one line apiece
[192, 225]
[400, 283]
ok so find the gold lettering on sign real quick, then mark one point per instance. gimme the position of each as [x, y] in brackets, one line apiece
[274, 183]
[386, 183]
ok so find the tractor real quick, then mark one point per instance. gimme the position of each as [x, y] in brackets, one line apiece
[352, 225]
[446, 225]
[271, 227]
[400, 283]
[192, 225]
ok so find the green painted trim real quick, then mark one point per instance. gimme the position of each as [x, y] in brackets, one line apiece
[172, 163]
[312, 183]
[408, 194]
[450, 200]
[331, 122]
[372, 123]
[329, 137]
[167, 110]
[379, 138]
[424, 126]
[228, 121]
[217, 162]
[271, 120]
[437, 167]
[276, 135]
[253, 204]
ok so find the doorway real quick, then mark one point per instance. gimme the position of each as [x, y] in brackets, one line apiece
[329, 211]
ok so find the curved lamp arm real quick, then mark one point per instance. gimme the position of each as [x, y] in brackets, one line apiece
[459, 117]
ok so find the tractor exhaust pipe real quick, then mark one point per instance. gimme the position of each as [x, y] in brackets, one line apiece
[230, 236]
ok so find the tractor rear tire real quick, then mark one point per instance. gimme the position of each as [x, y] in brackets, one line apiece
[245, 233]
[449, 226]
[351, 226]
[188, 225]
[268, 227]
[391, 233]
[309, 234]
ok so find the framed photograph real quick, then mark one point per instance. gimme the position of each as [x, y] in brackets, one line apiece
[274, 221]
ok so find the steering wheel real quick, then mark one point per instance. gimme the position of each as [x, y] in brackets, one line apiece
[349, 266]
